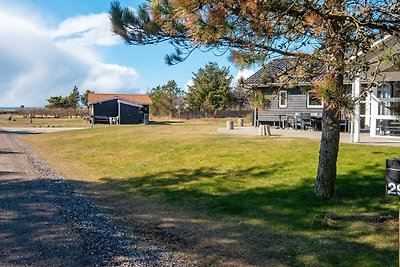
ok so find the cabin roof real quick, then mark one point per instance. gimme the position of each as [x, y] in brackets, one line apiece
[131, 98]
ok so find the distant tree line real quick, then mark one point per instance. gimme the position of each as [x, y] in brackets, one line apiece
[70, 101]
[211, 91]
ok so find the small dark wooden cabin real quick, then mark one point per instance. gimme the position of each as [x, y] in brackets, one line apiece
[119, 108]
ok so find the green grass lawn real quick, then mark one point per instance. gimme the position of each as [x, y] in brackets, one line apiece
[42, 122]
[257, 189]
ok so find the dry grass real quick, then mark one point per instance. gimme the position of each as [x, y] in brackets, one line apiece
[19, 121]
[234, 199]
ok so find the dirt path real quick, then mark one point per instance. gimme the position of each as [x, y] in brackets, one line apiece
[45, 222]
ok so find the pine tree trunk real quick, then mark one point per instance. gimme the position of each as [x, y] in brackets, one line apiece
[328, 153]
[329, 147]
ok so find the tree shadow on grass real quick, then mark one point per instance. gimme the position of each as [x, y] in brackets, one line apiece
[164, 122]
[274, 221]
[19, 132]
[268, 225]
[4, 152]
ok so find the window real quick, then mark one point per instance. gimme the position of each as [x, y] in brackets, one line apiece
[283, 99]
[313, 102]
[396, 86]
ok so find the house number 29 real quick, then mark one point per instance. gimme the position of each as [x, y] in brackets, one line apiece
[393, 189]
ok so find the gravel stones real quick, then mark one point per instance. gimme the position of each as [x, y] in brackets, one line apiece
[70, 228]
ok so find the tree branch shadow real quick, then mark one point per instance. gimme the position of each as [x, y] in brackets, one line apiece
[272, 221]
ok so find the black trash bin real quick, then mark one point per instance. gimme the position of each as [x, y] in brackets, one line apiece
[393, 177]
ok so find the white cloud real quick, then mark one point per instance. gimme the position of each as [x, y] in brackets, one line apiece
[86, 30]
[38, 62]
[187, 84]
[244, 73]
[106, 77]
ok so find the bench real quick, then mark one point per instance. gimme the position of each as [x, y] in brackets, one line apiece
[103, 119]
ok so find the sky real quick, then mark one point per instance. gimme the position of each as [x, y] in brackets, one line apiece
[49, 46]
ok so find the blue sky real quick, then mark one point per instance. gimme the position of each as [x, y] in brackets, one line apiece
[52, 45]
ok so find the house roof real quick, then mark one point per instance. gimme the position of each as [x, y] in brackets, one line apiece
[119, 100]
[132, 98]
[280, 71]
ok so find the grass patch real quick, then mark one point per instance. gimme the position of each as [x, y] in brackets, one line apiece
[42, 122]
[258, 190]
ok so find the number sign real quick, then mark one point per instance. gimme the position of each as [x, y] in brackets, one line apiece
[393, 177]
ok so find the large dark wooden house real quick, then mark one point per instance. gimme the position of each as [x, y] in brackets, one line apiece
[119, 108]
[290, 93]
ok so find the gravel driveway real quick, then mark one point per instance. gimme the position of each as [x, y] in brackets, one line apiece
[44, 221]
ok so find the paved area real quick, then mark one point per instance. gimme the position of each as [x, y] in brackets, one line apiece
[36, 130]
[45, 221]
[365, 139]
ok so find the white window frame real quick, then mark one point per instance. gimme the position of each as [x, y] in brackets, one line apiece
[279, 98]
[313, 106]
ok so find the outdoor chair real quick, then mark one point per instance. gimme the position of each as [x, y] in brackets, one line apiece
[303, 120]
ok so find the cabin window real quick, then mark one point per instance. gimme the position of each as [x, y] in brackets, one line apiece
[283, 99]
[396, 86]
[312, 101]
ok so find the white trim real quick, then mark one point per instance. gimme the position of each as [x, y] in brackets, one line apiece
[387, 137]
[119, 109]
[356, 117]
[386, 117]
[129, 103]
[279, 99]
[377, 42]
[308, 101]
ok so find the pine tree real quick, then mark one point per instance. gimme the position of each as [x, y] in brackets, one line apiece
[167, 99]
[84, 97]
[210, 90]
[73, 98]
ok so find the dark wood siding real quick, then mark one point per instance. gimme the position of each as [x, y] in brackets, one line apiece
[146, 109]
[297, 102]
[130, 114]
[106, 108]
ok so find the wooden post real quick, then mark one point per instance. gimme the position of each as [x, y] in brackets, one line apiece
[374, 113]
[264, 130]
[229, 125]
[261, 130]
[267, 130]
[356, 120]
